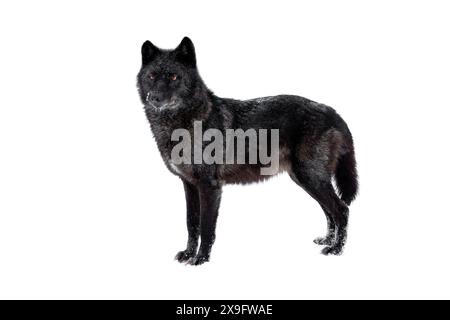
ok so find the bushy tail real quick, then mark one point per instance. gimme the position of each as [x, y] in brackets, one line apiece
[346, 176]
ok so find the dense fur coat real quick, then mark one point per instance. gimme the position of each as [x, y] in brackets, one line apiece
[315, 144]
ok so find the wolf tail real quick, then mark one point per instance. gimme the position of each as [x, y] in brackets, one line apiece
[346, 175]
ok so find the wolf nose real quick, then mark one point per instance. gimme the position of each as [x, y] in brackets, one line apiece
[155, 98]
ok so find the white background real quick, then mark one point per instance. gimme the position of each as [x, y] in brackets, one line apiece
[88, 210]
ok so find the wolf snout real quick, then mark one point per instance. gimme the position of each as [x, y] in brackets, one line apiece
[155, 98]
[160, 100]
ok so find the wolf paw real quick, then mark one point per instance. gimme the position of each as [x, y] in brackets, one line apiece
[198, 260]
[334, 250]
[323, 241]
[184, 256]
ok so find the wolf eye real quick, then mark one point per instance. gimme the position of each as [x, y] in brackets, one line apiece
[173, 77]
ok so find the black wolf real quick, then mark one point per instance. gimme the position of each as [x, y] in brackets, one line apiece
[315, 145]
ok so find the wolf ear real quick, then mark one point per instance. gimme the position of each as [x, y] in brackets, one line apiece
[185, 52]
[149, 52]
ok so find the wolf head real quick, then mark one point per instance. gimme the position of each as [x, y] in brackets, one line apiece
[168, 79]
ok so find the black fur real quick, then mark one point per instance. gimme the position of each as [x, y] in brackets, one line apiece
[315, 144]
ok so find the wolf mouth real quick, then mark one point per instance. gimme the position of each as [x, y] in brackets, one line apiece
[174, 103]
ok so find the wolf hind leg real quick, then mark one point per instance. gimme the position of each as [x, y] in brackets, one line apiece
[319, 187]
[330, 237]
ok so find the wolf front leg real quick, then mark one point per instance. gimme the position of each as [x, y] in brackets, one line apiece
[210, 193]
[192, 220]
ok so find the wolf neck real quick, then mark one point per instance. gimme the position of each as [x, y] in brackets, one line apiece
[164, 122]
